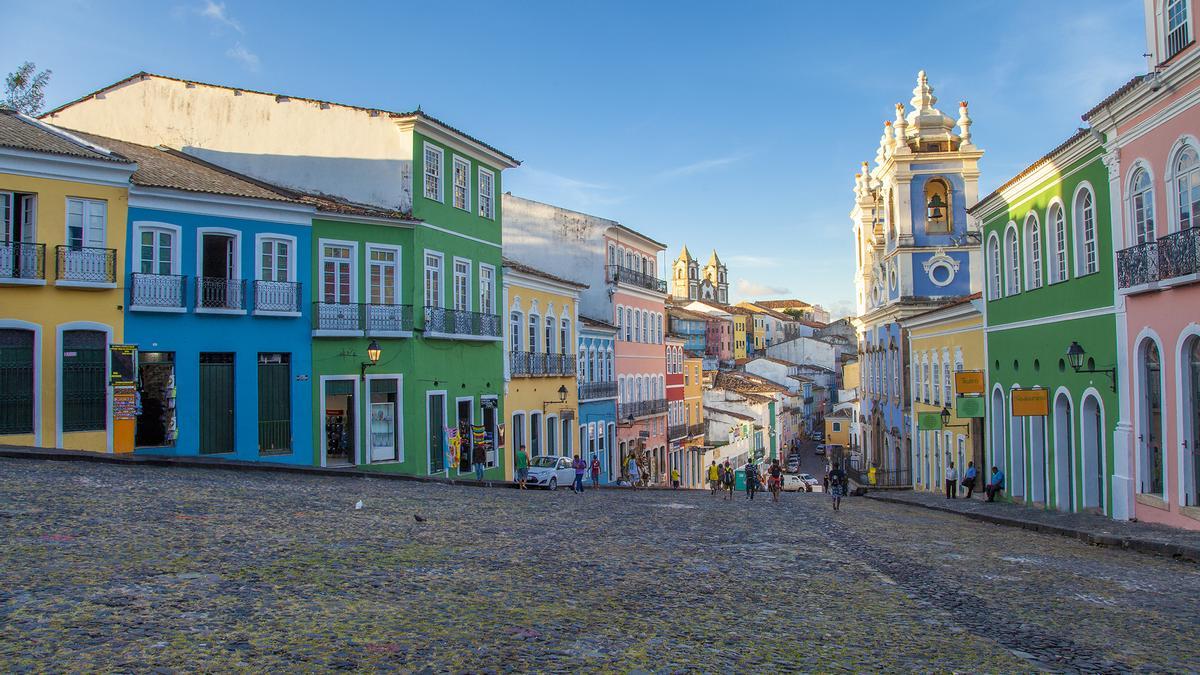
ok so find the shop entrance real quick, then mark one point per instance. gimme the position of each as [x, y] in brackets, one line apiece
[466, 410]
[156, 423]
[384, 439]
[339, 422]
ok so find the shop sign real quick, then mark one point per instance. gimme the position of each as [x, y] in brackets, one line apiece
[1030, 402]
[929, 421]
[967, 407]
[124, 365]
[969, 382]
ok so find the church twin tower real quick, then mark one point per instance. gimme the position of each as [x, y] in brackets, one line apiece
[690, 282]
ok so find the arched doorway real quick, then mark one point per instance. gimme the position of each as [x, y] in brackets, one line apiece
[1190, 366]
[998, 446]
[1064, 456]
[1016, 436]
[1037, 459]
[1091, 445]
[878, 445]
[1150, 416]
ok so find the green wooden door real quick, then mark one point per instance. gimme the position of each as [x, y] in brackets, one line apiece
[274, 404]
[216, 403]
[16, 381]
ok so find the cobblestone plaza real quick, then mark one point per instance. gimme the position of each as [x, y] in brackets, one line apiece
[117, 568]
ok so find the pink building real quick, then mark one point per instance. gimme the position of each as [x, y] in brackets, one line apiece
[1152, 131]
[639, 312]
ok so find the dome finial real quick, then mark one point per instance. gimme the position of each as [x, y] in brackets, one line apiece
[923, 98]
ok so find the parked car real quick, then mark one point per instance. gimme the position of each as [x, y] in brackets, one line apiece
[550, 471]
[809, 480]
[793, 467]
[820, 449]
[793, 483]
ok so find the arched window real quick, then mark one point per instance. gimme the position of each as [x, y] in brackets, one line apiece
[645, 326]
[938, 208]
[1012, 248]
[1142, 202]
[1033, 252]
[514, 332]
[533, 333]
[947, 388]
[993, 261]
[1087, 260]
[1058, 228]
[612, 254]
[1151, 437]
[564, 335]
[548, 345]
[1187, 187]
[1191, 387]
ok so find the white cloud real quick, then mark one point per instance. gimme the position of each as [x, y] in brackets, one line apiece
[558, 189]
[216, 12]
[753, 289]
[244, 56]
[699, 167]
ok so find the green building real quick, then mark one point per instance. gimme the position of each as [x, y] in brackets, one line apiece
[1049, 285]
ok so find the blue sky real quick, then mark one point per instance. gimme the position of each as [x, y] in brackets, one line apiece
[718, 125]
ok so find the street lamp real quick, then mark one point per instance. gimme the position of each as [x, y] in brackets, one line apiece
[373, 353]
[562, 397]
[1075, 354]
[946, 420]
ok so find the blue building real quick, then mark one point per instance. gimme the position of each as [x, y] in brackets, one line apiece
[689, 325]
[915, 251]
[217, 311]
[598, 396]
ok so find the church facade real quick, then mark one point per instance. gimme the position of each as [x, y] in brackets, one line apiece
[690, 281]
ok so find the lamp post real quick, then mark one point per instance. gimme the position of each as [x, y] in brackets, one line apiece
[373, 353]
[562, 398]
[1075, 355]
[946, 420]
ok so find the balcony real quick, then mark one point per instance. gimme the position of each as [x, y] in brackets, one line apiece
[351, 319]
[677, 431]
[157, 292]
[590, 391]
[277, 298]
[697, 430]
[85, 267]
[638, 409]
[459, 324]
[22, 263]
[537, 364]
[215, 295]
[1172, 260]
[624, 275]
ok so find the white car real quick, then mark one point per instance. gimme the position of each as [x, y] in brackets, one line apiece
[792, 483]
[809, 480]
[550, 471]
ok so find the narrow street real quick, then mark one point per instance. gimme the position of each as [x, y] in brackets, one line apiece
[136, 568]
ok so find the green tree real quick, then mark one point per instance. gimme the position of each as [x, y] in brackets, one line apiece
[24, 88]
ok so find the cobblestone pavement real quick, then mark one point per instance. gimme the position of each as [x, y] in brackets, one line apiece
[121, 568]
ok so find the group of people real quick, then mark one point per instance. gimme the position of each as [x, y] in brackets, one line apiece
[579, 464]
[723, 477]
[994, 486]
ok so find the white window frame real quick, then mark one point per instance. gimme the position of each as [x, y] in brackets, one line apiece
[490, 195]
[490, 295]
[322, 243]
[1084, 266]
[455, 162]
[995, 271]
[454, 275]
[397, 264]
[440, 173]
[86, 205]
[1147, 198]
[1033, 252]
[1012, 251]
[441, 282]
[1056, 227]
[176, 233]
[264, 237]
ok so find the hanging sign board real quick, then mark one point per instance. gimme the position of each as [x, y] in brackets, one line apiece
[124, 365]
[967, 407]
[1030, 402]
[929, 421]
[969, 382]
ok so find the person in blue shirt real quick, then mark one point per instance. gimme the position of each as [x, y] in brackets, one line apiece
[968, 479]
[995, 485]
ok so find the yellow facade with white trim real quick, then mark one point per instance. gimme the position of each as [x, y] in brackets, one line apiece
[50, 307]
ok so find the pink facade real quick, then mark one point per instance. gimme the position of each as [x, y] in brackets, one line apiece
[719, 337]
[639, 312]
[1154, 167]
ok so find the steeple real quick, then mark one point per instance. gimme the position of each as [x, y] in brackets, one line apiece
[714, 261]
[685, 255]
[926, 123]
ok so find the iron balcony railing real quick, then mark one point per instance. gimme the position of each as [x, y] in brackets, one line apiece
[461, 322]
[157, 290]
[697, 429]
[677, 431]
[642, 408]
[539, 364]
[1179, 253]
[593, 390]
[374, 318]
[276, 296]
[219, 293]
[22, 260]
[1137, 265]
[82, 263]
[625, 275]
[382, 318]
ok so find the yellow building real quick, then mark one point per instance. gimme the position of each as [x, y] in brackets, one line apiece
[63, 210]
[693, 397]
[946, 352]
[541, 395]
[741, 324]
[837, 428]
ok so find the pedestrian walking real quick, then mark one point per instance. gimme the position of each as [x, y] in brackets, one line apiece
[775, 479]
[951, 482]
[728, 477]
[595, 472]
[580, 465]
[837, 486]
[479, 459]
[631, 468]
[968, 479]
[751, 472]
[674, 478]
[522, 463]
[714, 477]
[995, 486]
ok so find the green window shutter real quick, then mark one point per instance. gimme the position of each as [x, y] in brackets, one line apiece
[274, 404]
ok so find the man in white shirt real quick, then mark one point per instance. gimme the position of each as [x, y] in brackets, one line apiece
[951, 482]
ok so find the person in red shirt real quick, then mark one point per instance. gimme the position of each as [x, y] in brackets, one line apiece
[595, 472]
